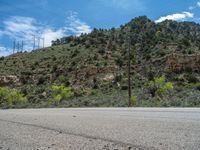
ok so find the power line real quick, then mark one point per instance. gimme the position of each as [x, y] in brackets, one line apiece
[38, 41]
[18, 46]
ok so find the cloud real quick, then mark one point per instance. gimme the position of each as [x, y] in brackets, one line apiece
[192, 7]
[25, 28]
[198, 3]
[75, 25]
[20, 28]
[176, 17]
[50, 35]
[1, 33]
[195, 6]
[18, 24]
[4, 51]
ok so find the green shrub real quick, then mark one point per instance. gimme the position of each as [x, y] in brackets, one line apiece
[60, 93]
[134, 100]
[93, 92]
[61, 78]
[192, 78]
[2, 58]
[198, 86]
[41, 80]
[10, 97]
[158, 86]
[119, 61]
[102, 51]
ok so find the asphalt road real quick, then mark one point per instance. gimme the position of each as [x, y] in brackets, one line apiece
[101, 129]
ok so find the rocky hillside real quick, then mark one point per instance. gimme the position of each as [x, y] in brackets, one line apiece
[98, 61]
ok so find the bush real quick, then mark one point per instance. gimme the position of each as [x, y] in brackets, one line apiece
[119, 61]
[198, 86]
[134, 100]
[158, 86]
[10, 97]
[41, 80]
[61, 78]
[192, 78]
[101, 51]
[60, 93]
[2, 58]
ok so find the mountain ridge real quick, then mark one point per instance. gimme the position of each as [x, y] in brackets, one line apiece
[98, 60]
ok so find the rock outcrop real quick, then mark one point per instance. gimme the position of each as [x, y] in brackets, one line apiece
[9, 80]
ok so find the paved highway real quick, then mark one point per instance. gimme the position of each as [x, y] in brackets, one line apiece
[101, 129]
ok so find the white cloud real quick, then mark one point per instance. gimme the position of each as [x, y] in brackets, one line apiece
[1, 33]
[51, 35]
[195, 6]
[176, 17]
[191, 7]
[76, 26]
[18, 24]
[20, 28]
[4, 51]
[2, 48]
[198, 3]
[24, 28]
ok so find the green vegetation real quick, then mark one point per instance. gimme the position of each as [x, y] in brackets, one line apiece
[198, 86]
[159, 87]
[60, 93]
[134, 100]
[164, 71]
[11, 97]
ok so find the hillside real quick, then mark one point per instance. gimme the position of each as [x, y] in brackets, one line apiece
[95, 65]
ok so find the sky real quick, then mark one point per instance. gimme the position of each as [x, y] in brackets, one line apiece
[26, 20]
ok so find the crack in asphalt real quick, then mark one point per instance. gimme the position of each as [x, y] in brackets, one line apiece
[81, 135]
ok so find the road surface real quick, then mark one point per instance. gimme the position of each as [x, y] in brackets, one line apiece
[100, 128]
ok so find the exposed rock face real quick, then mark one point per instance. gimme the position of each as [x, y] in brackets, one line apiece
[9, 80]
[109, 77]
[173, 63]
[177, 63]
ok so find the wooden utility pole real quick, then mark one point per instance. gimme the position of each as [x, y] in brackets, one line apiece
[129, 73]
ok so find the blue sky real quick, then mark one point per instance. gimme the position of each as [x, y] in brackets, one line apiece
[20, 20]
